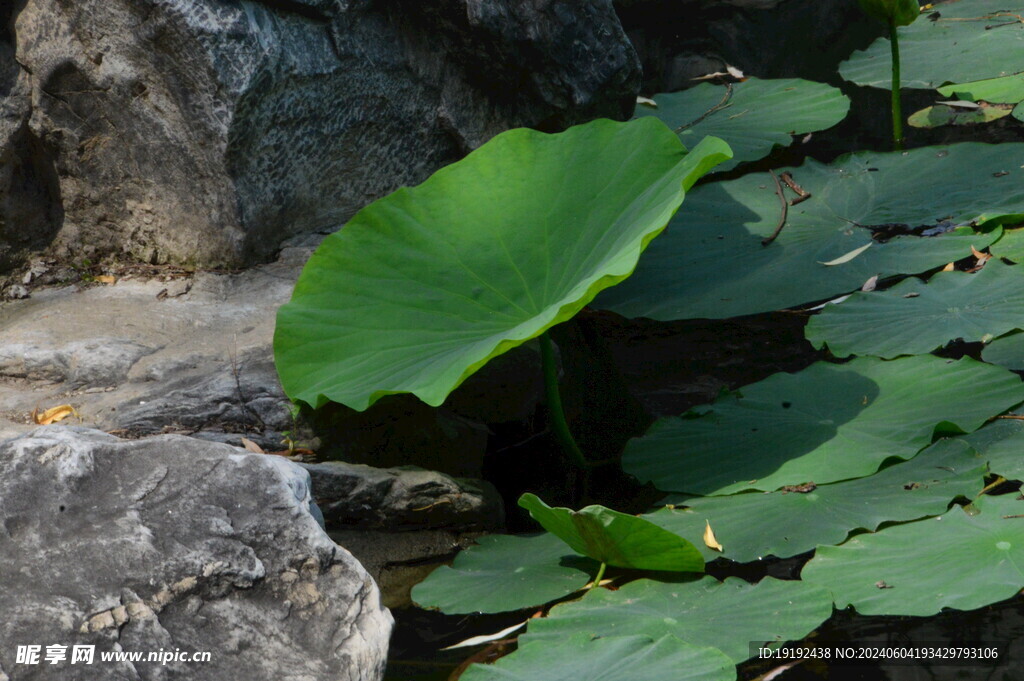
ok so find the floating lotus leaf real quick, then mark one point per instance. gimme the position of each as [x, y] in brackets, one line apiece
[956, 560]
[725, 615]
[1005, 90]
[618, 539]
[957, 47]
[712, 262]
[826, 423]
[423, 287]
[1001, 444]
[505, 572]
[581, 657]
[914, 317]
[1010, 246]
[1006, 351]
[786, 523]
[754, 115]
[940, 114]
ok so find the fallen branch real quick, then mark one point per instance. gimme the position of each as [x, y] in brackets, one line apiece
[785, 210]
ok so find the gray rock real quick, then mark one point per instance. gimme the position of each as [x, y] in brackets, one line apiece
[207, 132]
[170, 543]
[357, 496]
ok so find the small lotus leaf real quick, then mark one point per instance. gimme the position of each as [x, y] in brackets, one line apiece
[940, 114]
[956, 560]
[581, 657]
[618, 539]
[754, 115]
[505, 572]
[423, 287]
[915, 317]
[789, 522]
[827, 423]
[725, 615]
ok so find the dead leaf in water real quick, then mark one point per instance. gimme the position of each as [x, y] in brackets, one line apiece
[54, 414]
[709, 538]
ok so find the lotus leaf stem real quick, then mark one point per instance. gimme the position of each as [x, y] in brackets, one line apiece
[599, 577]
[555, 411]
[897, 114]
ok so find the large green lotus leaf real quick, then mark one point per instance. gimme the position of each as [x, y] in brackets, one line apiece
[754, 116]
[725, 615]
[1001, 444]
[948, 50]
[711, 263]
[1005, 90]
[914, 318]
[581, 657]
[505, 572]
[956, 560]
[424, 286]
[826, 423]
[618, 539]
[786, 523]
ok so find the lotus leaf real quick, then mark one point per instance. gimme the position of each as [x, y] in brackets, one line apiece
[788, 522]
[955, 47]
[505, 572]
[914, 318]
[956, 560]
[827, 423]
[582, 657]
[712, 262]
[617, 539]
[725, 615]
[423, 287]
[1001, 444]
[754, 115]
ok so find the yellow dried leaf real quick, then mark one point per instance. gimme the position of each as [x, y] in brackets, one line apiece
[252, 446]
[709, 537]
[948, 268]
[843, 259]
[54, 414]
[106, 279]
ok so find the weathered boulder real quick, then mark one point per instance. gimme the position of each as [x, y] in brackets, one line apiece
[395, 499]
[401, 523]
[173, 544]
[207, 132]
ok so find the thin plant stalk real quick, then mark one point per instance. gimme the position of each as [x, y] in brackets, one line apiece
[600, 575]
[555, 411]
[897, 113]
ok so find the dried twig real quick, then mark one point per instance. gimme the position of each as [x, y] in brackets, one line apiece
[717, 107]
[802, 194]
[785, 210]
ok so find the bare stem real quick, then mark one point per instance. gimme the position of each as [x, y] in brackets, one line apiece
[555, 411]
